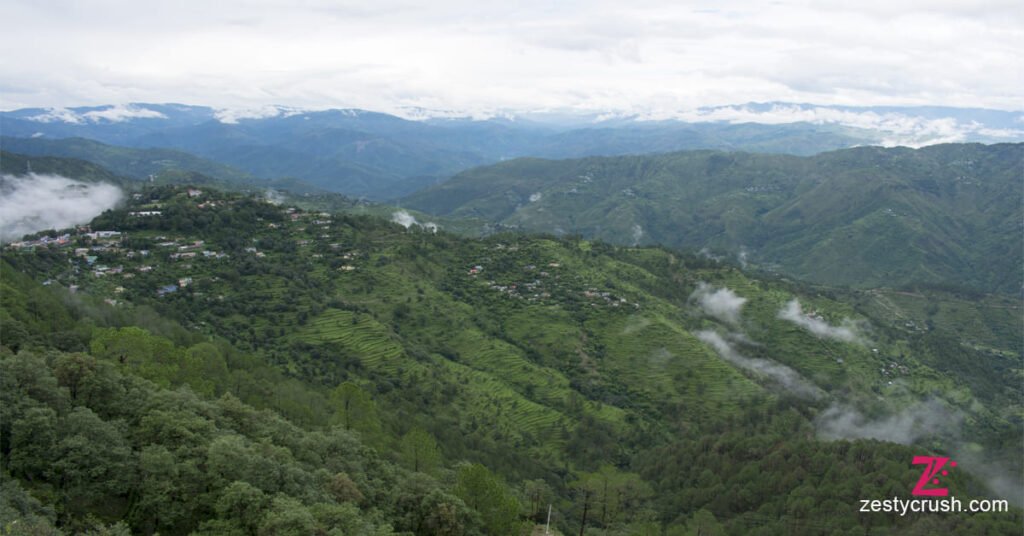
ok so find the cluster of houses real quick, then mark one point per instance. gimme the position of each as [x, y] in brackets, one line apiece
[45, 241]
[598, 298]
[109, 242]
[531, 291]
[104, 239]
[191, 250]
[103, 253]
[536, 291]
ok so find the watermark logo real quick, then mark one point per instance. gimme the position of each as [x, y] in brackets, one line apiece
[934, 466]
[927, 493]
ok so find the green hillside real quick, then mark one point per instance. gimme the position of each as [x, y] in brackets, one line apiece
[129, 162]
[257, 351]
[866, 217]
[18, 164]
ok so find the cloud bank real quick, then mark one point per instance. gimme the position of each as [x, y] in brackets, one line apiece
[232, 116]
[273, 196]
[722, 303]
[111, 114]
[465, 56]
[36, 202]
[407, 220]
[923, 419]
[794, 313]
[638, 233]
[788, 378]
[893, 128]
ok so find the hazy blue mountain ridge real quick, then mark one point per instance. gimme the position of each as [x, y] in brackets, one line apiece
[867, 217]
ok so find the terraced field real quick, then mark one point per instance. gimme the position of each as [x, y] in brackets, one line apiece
[359, 334]
[500, 358]
[992, 323]
[507, 414]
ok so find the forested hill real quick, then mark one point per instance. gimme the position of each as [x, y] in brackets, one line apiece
[17, 164]
[946, 215]
[206, 362]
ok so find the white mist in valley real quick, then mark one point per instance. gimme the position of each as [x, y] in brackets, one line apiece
[781, 374]
[273, 197]
[36, 202]
[930, 417]
[403, 218]
[848, 332]
[722, 303]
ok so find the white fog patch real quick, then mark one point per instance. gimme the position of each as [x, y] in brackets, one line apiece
[232, 116]
[722, 303]
[110, 114]
[895, 129]
[847, 332]
[742, 338]
[638, 233]
[404, 219]
[635, 324]
[119, 113]
[741, 256]
[706, 253]
[273, 197]
[36, 202]
[788, 378]
[536, 196]
[922, 419]
[407, 220]
[57, 115]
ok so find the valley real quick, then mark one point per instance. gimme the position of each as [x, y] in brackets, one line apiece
[573, 364]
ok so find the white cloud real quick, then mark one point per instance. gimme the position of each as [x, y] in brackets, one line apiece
[234, 115]
[792, 312]
[638, 233]
[274, 197]
[722, 303]
[119, 113]
[404, 219]
[407, 220]
[921, 419]
[112, 114]
[35, 202]
[895, 128]
[476, 58]
[742, 256]
[58, 115]
[781, 374]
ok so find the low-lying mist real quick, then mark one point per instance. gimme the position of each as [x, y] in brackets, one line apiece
[37, 202]
[786, 377]
[847, 332]
[720, 303]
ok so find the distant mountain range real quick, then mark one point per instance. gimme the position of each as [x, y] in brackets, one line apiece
[383, 156]
[868, 217]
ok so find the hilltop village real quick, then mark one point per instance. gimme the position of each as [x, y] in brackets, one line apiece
[159, 245]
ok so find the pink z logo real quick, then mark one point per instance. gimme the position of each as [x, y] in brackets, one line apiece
[935, 464]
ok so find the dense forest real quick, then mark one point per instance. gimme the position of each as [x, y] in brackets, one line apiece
[944, 215]
[207, 362]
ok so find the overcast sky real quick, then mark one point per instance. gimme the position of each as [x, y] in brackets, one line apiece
[627, 56]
